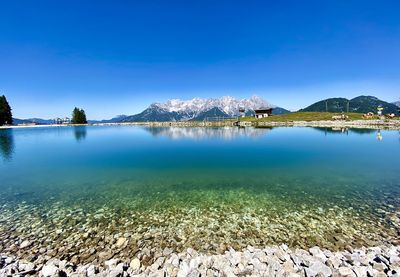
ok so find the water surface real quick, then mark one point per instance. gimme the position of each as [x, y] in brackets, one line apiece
[73, 191]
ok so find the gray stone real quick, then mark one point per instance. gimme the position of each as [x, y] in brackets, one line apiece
[135, 264]
[49, 270]
[346, 271]
[26, 267]
[91, 270]
[115, 273]
[316, 252]
[379, 266]
[318, 267]
[167, 251]
[334, 262]
[111, 263]
[360, 271]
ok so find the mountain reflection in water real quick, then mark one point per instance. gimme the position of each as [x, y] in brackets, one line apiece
[226, 133]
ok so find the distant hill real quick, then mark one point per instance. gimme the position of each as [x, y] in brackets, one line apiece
[279, 110]
[40, 121]
[360, 104]
[396, 103]
[118, 118]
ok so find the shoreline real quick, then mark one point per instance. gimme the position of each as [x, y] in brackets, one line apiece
[360, 124]
[269, 261]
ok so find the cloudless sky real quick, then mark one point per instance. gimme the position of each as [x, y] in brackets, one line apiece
[116, 57]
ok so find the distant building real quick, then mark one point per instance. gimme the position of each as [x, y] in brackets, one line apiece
[61, 121]
[380, 110]
[263, 112]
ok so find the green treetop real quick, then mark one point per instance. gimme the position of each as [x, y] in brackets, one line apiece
[78, 116]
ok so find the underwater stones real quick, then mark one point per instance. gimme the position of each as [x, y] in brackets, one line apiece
[204, 229]
[120, 242]
[75, 259]
[105, 255]
[25, 244]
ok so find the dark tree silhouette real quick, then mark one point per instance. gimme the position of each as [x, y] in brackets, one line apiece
[5, 112]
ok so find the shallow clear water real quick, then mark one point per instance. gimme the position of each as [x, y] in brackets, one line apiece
[70, 190]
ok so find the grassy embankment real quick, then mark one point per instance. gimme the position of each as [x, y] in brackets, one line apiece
[306, 116]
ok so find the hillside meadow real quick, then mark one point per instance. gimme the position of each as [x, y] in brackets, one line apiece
[307, 116]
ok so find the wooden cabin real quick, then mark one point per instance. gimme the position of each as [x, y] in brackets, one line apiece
[263, 112]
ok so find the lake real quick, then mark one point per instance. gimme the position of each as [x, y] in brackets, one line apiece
[90, 193]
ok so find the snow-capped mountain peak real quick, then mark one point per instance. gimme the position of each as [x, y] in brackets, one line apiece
[228, 104]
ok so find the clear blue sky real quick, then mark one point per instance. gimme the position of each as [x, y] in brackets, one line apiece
[116, 57]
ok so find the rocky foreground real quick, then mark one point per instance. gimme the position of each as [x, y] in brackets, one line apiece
[271, 261]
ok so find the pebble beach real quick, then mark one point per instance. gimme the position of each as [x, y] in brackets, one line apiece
[270, 261]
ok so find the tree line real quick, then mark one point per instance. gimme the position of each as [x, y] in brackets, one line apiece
[78, 115]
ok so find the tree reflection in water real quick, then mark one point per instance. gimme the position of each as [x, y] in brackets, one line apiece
[6, 144]
[80, 133]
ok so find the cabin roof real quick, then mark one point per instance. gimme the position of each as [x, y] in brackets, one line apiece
[263, 110]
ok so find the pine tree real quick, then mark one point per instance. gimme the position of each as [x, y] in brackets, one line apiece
[78, 116]
[83, 117]
[5, 112]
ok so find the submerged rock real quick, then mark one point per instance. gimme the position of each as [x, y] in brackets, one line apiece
[120, 242]
[25, 243]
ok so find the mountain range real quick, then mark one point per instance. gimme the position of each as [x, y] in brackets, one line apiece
[396, 103]
[360, 104]
[201, 109]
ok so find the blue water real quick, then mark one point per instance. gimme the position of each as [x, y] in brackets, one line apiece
[300, 186]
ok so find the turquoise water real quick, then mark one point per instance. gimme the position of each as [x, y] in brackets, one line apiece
[205, 188]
